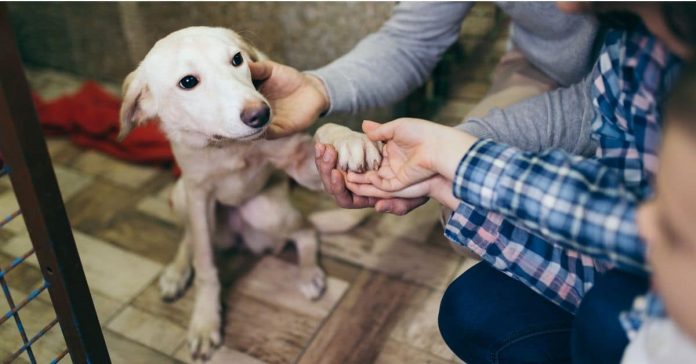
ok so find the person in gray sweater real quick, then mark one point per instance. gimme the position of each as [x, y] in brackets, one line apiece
[548, 49]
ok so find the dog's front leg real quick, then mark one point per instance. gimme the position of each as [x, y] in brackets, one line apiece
[204, 329]
[312, 281]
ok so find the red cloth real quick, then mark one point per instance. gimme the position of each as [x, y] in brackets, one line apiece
[90, 118]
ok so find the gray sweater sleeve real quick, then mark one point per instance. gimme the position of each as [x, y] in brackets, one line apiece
[557, 119]
[386, 65]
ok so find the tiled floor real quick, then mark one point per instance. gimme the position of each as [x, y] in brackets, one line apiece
[385, 278]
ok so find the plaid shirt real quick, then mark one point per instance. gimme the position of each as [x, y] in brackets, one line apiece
[551, 220]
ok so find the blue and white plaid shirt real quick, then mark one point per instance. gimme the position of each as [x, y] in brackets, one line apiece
[551, 220]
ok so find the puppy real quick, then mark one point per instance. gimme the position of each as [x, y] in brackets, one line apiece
[197, 82]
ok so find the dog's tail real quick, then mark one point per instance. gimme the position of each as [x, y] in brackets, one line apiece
[338, 220]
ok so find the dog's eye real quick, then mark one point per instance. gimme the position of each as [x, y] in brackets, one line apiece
[237, 60]
[188, 82]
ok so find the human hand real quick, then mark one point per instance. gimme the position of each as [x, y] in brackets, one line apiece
[334, 183]
[436, 187]
[297, 99]
[414, 151]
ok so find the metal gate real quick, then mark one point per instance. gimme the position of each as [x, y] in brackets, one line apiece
[27, 163]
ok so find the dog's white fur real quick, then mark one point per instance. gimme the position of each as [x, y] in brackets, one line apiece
[226, 166]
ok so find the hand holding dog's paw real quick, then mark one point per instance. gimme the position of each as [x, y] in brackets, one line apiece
[356, 152]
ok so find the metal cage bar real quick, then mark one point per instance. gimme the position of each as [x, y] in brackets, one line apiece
[33, 179]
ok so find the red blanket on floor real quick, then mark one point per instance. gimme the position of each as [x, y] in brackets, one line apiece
[90, 118]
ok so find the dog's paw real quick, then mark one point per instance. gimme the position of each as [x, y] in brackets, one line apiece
[312, 282]
[357, 153]
[174, 281]
[203, 337]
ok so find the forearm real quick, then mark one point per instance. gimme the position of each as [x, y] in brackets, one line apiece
[556, 119]
[388, 64]
[575, 202]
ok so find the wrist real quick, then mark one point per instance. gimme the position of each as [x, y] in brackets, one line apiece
[451, 151]
[441, 190]
[323, 102]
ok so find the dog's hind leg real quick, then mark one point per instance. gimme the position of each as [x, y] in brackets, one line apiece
[272, 213]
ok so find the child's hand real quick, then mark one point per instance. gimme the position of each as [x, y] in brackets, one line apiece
[436, 187]
[406, 158]
[414, 151]
[334, 183]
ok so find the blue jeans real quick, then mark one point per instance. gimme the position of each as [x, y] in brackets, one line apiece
[488, 317]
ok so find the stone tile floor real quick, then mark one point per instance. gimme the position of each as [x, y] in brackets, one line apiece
[385, 278]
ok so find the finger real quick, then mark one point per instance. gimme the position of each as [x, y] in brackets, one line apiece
[319, 150]
[370, 177]
[399, 206]
[344, 197]
[337, 188]
[358, 177]
[360, 202]
[369, 125]
[377, 132]
[261, 70]
[413, 191]
[325, 161]
[367, 190]
[384, 184]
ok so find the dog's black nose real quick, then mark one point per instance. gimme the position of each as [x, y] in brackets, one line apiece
[257, 115]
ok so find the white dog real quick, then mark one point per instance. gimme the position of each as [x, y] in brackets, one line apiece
[197, 82]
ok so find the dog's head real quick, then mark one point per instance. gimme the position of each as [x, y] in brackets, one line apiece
[197, 82]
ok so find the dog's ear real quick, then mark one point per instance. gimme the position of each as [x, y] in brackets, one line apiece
[246, 47]
[137, 105]
[253, 53]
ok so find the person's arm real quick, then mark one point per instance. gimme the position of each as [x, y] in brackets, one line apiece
[574, 201]
[556, 119]
[386, 65]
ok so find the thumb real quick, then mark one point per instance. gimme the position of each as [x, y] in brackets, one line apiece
[378, 132]
[261, 70]
[369, 125]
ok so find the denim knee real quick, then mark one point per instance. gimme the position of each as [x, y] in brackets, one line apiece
[488, 317]
[459, 326]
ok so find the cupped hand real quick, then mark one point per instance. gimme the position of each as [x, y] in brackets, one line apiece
[297, 99]
[414, 150]
[406, 158]
[334, 183]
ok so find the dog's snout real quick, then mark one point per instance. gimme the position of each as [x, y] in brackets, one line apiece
[256, 115]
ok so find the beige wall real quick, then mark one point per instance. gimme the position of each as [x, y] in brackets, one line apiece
[106, 40]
